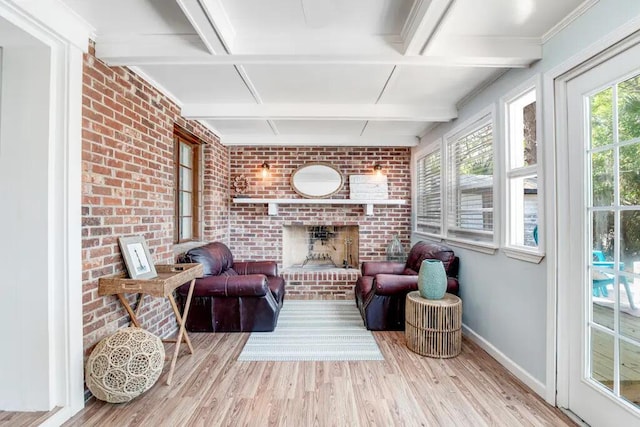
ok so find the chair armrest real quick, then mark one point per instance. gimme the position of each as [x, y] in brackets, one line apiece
[229, 286]
[453, 286]
[268, 268]
[393, 284]
[371, 268]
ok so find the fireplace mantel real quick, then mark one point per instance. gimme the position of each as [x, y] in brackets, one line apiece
[273, 203]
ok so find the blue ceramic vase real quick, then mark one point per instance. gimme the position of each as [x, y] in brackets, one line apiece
[432, 279]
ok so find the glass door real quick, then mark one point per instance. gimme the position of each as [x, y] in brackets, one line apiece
[603, 220]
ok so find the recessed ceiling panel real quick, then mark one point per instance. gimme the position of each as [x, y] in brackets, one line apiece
[429, 85]
[241, 127]
[313, 83]
[373, 17]
[320, 127]
[523, 18]
[133, 16]
[201, 83]
[403, 128]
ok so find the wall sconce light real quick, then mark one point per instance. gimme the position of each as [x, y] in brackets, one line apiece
[377, 169]
[265, 169]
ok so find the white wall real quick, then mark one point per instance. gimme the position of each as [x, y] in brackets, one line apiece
[24, 224]
[505, 300]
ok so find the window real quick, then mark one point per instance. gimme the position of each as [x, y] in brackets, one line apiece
[429, 194]
[455, 187]
[470, 182]
[521, 172]
[187, 178]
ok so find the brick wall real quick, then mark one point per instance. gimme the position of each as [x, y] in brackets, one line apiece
[128, 187]
[254, 235]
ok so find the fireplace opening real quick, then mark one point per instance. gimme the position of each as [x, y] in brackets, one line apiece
[310, 247]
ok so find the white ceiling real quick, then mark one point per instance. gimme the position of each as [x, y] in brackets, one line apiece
[322, 72]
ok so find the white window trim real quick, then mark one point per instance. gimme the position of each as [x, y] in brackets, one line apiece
[534, 255]
[483, 117]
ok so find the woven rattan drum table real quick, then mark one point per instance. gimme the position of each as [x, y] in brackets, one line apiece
[433, 327]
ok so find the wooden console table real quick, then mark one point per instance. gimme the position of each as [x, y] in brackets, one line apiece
[433, 327]
[170, 276]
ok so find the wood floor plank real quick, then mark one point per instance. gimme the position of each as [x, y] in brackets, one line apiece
[26, 419]
[211, 388]
[205, 416]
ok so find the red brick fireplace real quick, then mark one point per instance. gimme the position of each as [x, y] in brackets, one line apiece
[256, 235]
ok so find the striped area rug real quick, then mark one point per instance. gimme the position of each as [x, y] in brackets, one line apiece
[314, 331]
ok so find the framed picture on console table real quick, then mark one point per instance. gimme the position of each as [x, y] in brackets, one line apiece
[137, 258]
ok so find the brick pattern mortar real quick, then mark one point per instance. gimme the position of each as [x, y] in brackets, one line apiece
[128, 188]
[254, 235]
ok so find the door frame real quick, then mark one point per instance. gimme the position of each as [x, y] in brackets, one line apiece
[67, 38]
[555, 128]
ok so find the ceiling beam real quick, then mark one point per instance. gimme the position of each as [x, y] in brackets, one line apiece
[422, 24]
[220, 22]
[201, 22]
[126, 54]
[392, 112]
[298, 42]
[481, 49]
[157, 45]
[324, 140]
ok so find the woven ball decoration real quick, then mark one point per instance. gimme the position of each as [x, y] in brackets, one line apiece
[124, 365]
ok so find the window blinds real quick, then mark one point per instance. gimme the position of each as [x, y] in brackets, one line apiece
[470, 185]
[429, 198]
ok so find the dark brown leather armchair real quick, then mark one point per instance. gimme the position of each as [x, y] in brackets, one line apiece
[232, 296]
[381, 290]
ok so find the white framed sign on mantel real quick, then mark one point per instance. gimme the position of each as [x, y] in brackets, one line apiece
[368, 187]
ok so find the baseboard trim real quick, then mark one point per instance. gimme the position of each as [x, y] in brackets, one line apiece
[538, 387]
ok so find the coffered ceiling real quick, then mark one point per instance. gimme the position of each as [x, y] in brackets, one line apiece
[322, 72]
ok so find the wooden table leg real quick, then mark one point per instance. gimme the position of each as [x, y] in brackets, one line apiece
[181, 331]
[138, 305]
[125, 303]
[180, 320]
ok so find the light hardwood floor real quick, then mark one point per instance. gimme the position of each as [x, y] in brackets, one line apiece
[211, 388]
[24, 419]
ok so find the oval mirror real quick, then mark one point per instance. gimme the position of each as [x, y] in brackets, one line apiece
[316, 180]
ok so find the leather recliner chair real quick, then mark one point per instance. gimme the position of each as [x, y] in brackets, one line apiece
[232, 296]
[382, 289]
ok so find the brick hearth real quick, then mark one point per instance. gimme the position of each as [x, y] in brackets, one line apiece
[331, 283]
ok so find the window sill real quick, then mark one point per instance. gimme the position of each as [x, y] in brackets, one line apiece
[485, 248]
[524, 255]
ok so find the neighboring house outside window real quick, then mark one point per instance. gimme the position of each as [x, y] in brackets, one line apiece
[187, 189]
